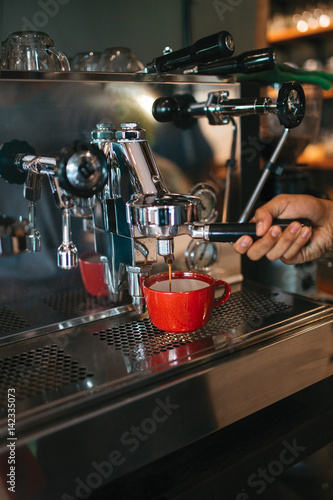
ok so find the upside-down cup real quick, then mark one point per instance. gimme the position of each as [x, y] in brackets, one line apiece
[189, 304]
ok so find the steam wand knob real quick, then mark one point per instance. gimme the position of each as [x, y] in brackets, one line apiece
[81, 169]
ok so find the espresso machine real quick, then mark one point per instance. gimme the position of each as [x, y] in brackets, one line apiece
[91, 163]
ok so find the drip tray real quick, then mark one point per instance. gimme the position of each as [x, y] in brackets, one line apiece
[114, 353]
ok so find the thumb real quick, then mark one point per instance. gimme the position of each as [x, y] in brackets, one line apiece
[263, 222]
[265, 214]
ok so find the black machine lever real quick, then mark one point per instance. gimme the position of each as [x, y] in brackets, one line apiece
[252, 61]
[209, 49]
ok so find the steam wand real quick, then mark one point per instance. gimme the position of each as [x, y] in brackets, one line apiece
[262, 181]
[231, 164]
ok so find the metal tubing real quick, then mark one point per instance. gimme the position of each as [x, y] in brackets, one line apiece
[255, 195]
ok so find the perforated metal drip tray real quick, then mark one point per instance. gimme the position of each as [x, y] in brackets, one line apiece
[115, 355]
[41, 309]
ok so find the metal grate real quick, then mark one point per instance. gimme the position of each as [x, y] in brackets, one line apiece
[76, 301]
[39, 370]
[247, 307]
[140, 339]
[10, 321]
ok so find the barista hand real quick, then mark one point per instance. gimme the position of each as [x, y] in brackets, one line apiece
[296, 244]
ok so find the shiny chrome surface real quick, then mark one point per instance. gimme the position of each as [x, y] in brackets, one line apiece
[139, 159]
[163, 216]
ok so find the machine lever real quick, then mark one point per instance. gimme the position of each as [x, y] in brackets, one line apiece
[209, 49]
[252, 61]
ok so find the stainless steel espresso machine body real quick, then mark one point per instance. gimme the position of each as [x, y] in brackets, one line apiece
[92, 371]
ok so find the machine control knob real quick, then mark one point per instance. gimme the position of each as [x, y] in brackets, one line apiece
[290, 104]
[82, 169]
[174, 109]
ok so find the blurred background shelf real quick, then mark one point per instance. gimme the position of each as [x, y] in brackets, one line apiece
[328, 94]
[290, 34]
[301, 33]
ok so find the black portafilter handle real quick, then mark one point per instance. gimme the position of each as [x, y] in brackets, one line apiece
[229, 233]
[211, 48]
[252, 61]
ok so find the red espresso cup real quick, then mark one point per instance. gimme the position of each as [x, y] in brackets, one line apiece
[188, 306]
[92, 274]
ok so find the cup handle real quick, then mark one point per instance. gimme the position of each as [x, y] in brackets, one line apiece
[62, 58]
[227, 291]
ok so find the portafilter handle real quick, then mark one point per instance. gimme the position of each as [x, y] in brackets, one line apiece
[230, 232]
